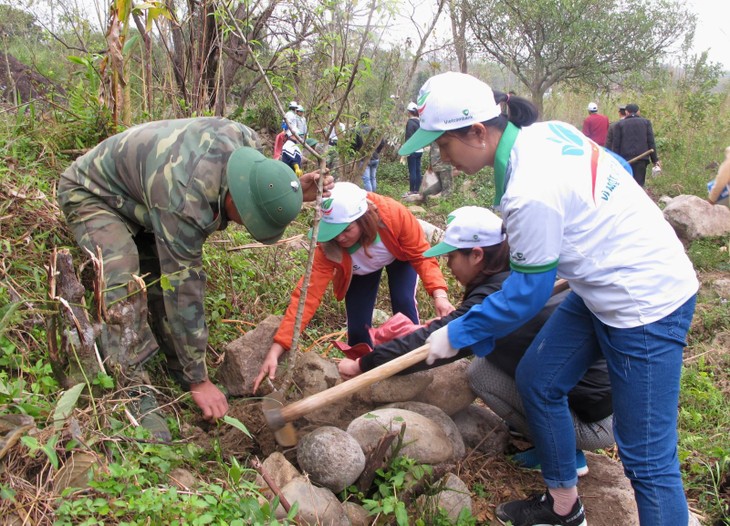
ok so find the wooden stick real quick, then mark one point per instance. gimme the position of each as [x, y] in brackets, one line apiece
[276, 418]
[638, 157]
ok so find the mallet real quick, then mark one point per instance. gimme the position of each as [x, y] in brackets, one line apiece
[277, 416]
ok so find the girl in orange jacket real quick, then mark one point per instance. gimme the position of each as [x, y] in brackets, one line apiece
[360, 234]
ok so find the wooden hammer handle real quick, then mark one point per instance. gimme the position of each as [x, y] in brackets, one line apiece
[386, 370]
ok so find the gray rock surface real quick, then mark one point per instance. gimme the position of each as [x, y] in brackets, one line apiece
[424, 440]
[442, 419]
[482, 429]
[331, 457]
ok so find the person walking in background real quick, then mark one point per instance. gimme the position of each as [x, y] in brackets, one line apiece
[634, 137]
[291, 120]
[361, 234]
[571, 209]
[414, 158]
[363, 138]
[612, 127]
[477, 252]
[718, 192]
[444, 172]
[595, 126]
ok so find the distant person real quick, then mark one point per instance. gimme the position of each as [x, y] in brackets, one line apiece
[291, 119]
[634, 137]
[595, 126]
[719, 190]
[414, 159]
[301, 121]
[612, 126]
[291, 155]
[444, 171]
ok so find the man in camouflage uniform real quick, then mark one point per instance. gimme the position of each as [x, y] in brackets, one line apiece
[149, 197]
[442, 170]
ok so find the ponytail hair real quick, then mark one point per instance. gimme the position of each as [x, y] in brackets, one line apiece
[520, 111]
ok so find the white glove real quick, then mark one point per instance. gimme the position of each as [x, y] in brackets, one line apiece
[440, 345]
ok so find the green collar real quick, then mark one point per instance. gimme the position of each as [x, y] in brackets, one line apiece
[501, 158]
[354, 248]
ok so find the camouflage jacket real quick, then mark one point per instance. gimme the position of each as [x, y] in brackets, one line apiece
[168, 178]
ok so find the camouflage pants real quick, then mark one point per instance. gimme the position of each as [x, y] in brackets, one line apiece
[127, 339]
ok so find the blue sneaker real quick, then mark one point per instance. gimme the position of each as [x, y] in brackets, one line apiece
[528, 460]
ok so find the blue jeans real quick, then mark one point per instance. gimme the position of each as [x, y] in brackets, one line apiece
[414, 171]
[368, 176]
[363, 290]
[644, 364]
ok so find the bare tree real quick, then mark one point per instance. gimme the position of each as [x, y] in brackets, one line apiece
[544, 42]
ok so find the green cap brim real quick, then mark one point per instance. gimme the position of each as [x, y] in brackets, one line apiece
[329, 231]
[439, 250]
[418, 140]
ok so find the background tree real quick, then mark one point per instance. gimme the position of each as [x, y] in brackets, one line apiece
[545, 42]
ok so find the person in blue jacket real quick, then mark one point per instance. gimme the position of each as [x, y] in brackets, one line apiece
[572, 210]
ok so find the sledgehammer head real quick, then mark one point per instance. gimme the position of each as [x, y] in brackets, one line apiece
[284, 431]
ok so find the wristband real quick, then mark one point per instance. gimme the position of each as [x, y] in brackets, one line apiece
[439, 294]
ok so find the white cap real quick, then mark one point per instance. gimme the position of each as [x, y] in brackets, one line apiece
[470, 227]
[293, 104]
[450, 101]
[346, 202]
[300, 107]
[592, 106]
[412, 106]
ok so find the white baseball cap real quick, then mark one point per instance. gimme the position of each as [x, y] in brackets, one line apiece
[346, 202]
[470, 227]
[450, 101]
[412, 106]
[592, 106]
[293, 104]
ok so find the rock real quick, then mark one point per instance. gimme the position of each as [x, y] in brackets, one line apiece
[424, 440]
[358, 515]
[183, 479]
[331, 457]
[430, 183]
[280, 470]
[417, 210]
[693, 217]
[482, 430]
[396, 389]
[607, 494]
[244, 357]
[317, 506]
[313, 374]
[442, 419]
[450, 389]
[413, 198]
[454, 497]
[721, 287]
[434, 234]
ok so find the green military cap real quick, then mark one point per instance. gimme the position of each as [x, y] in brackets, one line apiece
[267, 193]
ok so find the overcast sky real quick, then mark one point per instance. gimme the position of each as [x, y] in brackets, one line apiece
[713, 29]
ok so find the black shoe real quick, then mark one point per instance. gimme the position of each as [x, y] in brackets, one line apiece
[538, 510]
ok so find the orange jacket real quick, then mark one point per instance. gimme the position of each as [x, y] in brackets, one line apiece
[402, 235]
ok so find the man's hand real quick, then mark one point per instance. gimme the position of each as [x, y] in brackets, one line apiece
[309, 185]
[269, 366]
[349, 368]
[211, 401]
[440, 346]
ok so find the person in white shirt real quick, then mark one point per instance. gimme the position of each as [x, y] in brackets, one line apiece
[571, 209]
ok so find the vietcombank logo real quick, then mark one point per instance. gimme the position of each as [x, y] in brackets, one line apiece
[327, 206]
[421, 101]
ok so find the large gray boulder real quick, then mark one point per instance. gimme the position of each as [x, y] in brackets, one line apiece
[442, 419]
[450, 389]
[693, 218]
[244, 356]
[424, 440]
[317, 506]
[482, 429]
[331, 457]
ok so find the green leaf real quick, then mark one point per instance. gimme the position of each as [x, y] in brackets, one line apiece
[165, 283]
[129, 43]
[66, 405]
[237, 424]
